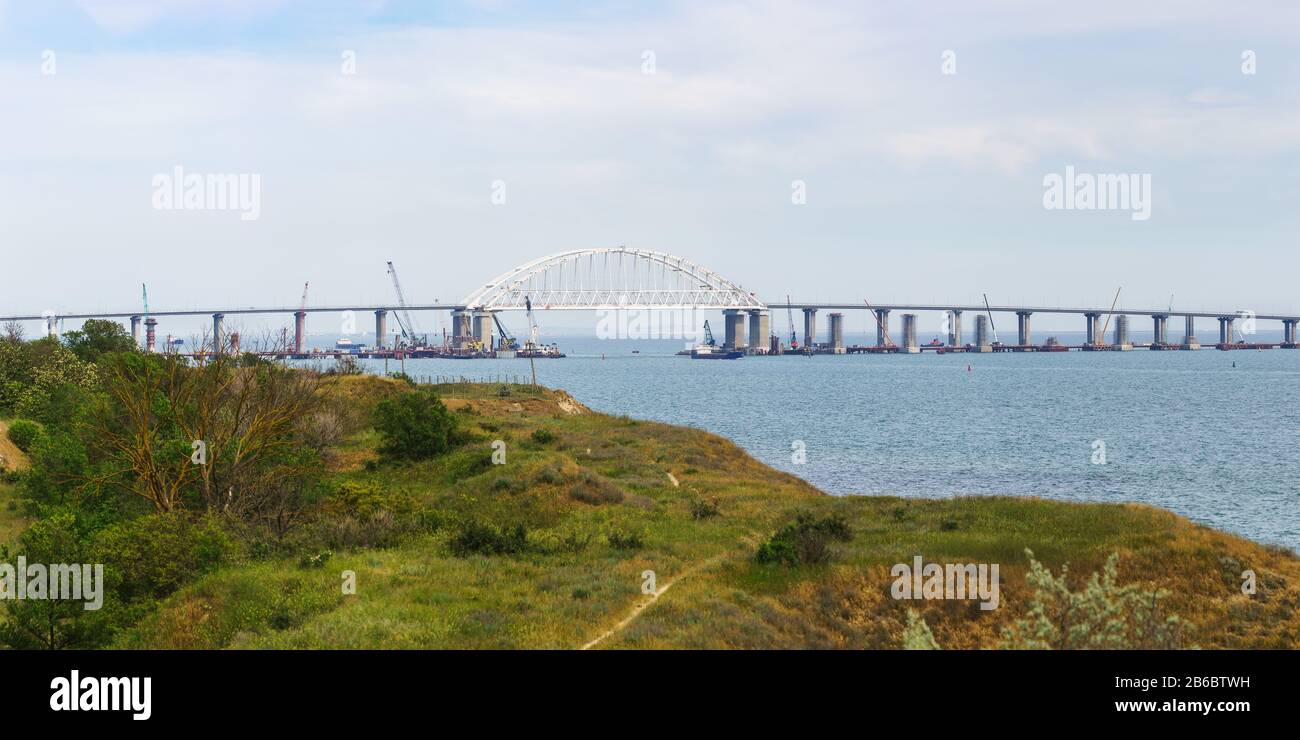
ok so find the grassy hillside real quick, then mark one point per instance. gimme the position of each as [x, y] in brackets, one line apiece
[603, 499]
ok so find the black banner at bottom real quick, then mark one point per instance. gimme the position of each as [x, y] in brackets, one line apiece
[212, 690]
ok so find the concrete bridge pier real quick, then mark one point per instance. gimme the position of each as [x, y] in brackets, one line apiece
[733, 325]
[1022, 323]
[462, 329]
[1094, 331]
[135, 331]
[982, 343]
[1225, 329]
[809, 327]
[759, 331]
[1121, 334]
[1288, 332]
[299, 331]
[1160, 325]
[150, 332]
[909, 334]
[882, 327]
[381, 329]
[837, 333]
[954, 328]
[1189, 335]
[483, 329]
[218, 332]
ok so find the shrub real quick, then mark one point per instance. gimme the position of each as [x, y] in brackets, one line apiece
[24, 433]
[542, 435]
[315, 561]
[485, 539]
[549, 476]
[594, 490]
[805, 540]
[624, 539]
[151, 556]
[918, 636]
[414, 425]
[1104, 615]
[704, 508]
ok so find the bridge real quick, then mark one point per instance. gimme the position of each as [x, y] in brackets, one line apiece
[624, 278]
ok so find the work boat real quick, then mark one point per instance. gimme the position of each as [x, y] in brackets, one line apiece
[710, 350]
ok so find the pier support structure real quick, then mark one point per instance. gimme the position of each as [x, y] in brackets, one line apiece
[52, 326]
[982, 343]
[135, 331]
[733, 324]
[809, 328]
[463, 324]
[836, 330]
[1225, 329]
[1094, 337]
[483, 330]
[909, 334]
[150, 333]
[882, 327]
[1121, 334]
[954, 328]
[1160, 330]
[1189, 335]
[759, 331]
[1288, 332]
[299, 331]
[381, 328]
[218, 332]
[1025, 336]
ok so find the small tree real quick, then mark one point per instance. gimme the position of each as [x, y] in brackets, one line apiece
[1104, 615]
[414, 425]
[98, 337]
[48, 623]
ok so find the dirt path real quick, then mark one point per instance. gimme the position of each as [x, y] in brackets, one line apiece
[645, 603]
[11, 458]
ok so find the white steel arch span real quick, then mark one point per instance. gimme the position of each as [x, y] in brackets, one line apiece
[618, 277]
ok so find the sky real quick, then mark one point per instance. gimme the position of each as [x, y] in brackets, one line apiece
[460, 139]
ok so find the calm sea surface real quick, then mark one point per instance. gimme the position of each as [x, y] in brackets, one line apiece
[1211, 435]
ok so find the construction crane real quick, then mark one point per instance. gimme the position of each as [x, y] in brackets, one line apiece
[789, 315]
[508, 342]
[708, 335]
[989, 312]
[408, 326]
[304, 296]
[532, 325]
[1099, 340]
[144, 295]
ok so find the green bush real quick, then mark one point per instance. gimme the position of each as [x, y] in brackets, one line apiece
[624, 539]
[704, 508]
[543, 436]
[151, 556]
[25, 433]
[414, 425]
[805, 540]
[595, 490]
[485, 539]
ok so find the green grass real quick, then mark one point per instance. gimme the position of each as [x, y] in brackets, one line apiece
[418, 595]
